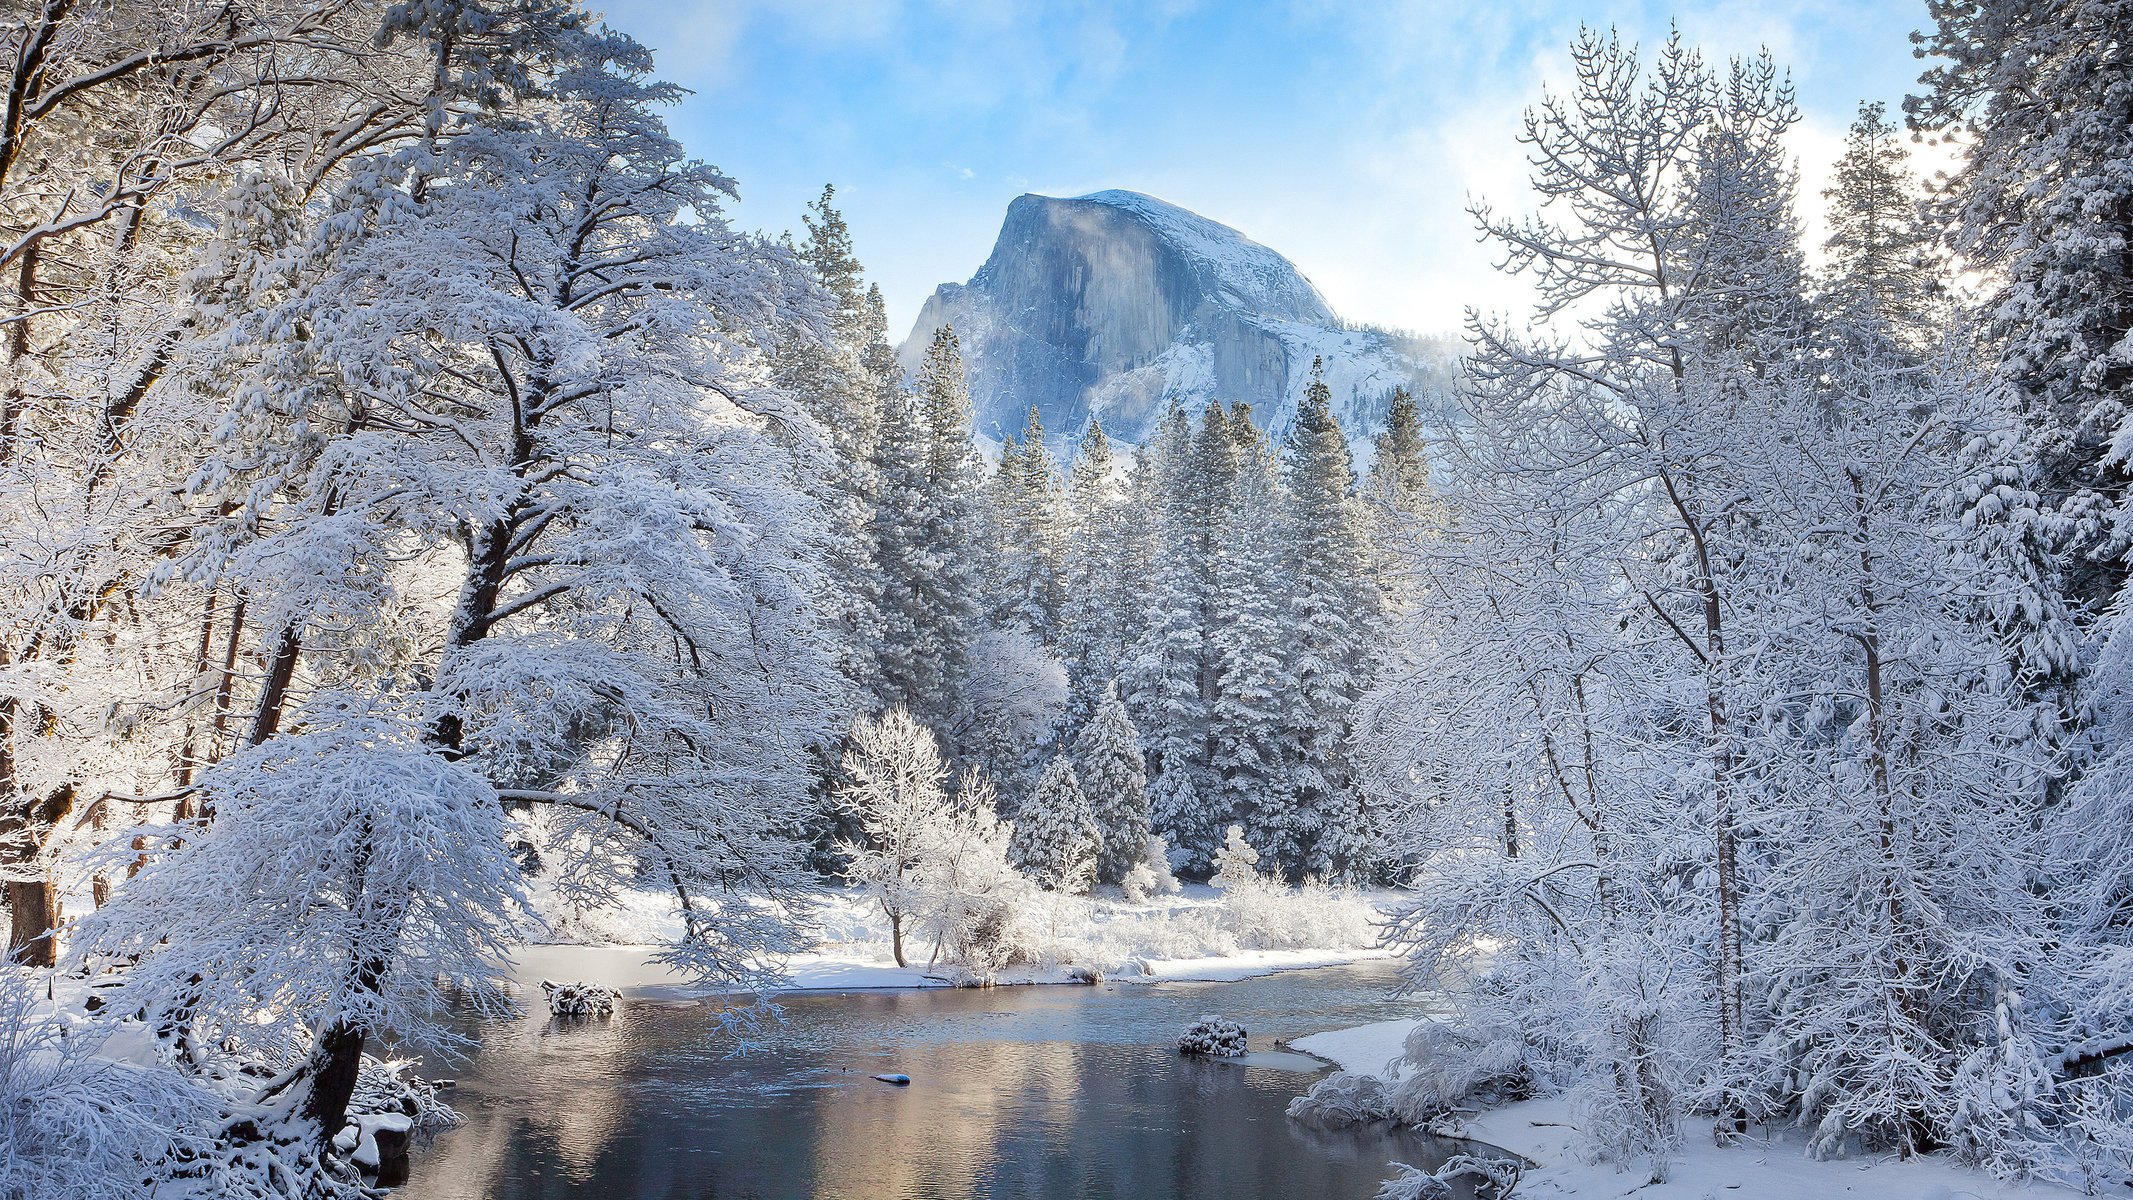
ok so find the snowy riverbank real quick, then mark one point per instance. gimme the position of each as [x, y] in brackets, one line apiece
[1768, 1164]
[1197, 935]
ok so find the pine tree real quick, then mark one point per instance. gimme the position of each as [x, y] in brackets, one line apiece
[1236, 863]
[1108, 752]
[1029, 532]
[1163, 677]
[920, 650]
[1252, 748]
[927, 519]
[1329, 616]
[1093, 577]
[1056, 838]
[2039, 94]
[843, 380]
[1879, 248]
[1400, 506]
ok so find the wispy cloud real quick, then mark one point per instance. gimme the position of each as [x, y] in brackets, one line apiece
[1347, 136]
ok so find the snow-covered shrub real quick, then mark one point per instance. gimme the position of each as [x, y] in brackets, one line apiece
[1264, 915]
[579, 999]
[1412, 1183]
[1479, 1059]
[77, 1127]
[1056, 838]
[1150, 876]
[1343, 1099]
[1236, 863]
[391, 1105]
[1214, 1037]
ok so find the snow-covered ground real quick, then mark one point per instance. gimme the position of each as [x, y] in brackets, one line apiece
[1768, 1164]
[1198, 935]
[1364, 1049]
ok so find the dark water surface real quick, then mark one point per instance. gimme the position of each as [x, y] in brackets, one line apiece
[1015, 1092]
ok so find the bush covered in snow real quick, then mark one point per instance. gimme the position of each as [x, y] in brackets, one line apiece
[1342, 1099]
[1214, 1037]
[1499, 1174]
[391, 1106]
[74, 1126]
[1150, 875]
[579, 999]
[1481, 1059]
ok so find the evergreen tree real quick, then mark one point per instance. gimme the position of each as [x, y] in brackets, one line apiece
[1252, 748]
[2039, 93]
[1056, 838]
[1330, 613]
[1880, 268]
[1029, 531]
[1093, 578]
[925, 524]
[1236, 863]
[1399, 503]
[1112, 777]
[1163, 678]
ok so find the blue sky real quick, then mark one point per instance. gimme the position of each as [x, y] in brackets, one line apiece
[1345, 135]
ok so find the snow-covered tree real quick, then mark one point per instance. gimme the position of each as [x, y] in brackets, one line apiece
[2039, 96]
[895, 787]
[534, 383]
[928, 530]
[1328, 614]
[1236, 863]
[1028, 530]
[971, 896]
[1056, 838]
[1094, 604]
[1107, 754]
[1161, 683]
[1009, 709]
[1254, 749]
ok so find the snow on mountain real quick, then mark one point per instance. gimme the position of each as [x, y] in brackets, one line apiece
[1116, 304]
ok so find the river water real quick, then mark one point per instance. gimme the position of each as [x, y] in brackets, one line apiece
[1016, 1092]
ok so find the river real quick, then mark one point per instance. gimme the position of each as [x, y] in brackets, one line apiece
[1041, 1092]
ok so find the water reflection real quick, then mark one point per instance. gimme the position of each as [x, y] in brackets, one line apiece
[1016, 1092]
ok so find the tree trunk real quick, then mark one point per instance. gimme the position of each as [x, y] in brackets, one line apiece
[35, 905]
[896, 938]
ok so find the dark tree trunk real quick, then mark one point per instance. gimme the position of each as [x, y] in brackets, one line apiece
[35, 906]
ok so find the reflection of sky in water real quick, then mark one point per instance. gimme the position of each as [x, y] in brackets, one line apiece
[1032, 1091]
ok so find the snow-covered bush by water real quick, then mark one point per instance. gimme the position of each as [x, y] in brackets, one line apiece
[1213, 1037]
[1500, 1175]
[579, 999]
[1341, 1099]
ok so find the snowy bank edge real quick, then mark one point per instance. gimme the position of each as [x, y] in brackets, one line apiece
[630, 970]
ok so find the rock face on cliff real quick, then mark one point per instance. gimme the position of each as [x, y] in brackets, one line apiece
[1115, 304]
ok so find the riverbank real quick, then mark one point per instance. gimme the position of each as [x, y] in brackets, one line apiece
[1197, 935]
[1767, 1164]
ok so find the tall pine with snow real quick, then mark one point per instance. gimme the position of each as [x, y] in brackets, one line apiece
[1327, 619]
[1253, 750]
[1107, 753]
[1056, 839]
[1028, 530]
[1095, 585]
[1162, 680]
[925, 531]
